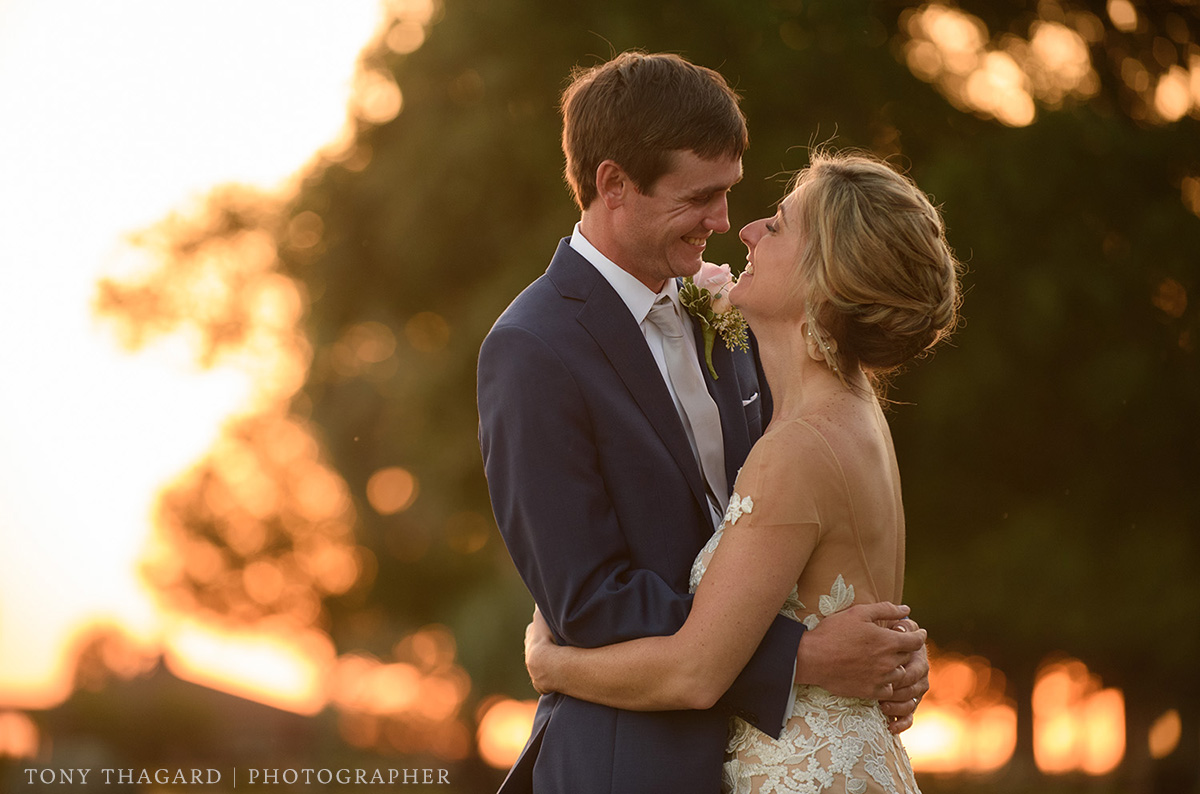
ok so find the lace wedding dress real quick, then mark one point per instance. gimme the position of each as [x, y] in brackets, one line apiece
[830, 743]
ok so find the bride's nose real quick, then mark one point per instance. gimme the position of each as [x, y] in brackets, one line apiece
[751, 233]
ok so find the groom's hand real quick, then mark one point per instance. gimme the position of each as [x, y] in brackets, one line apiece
[853, 653]
[538, 641]
[908, 691]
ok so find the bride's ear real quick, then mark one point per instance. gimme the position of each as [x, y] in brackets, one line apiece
[819, 348]
[612, 184]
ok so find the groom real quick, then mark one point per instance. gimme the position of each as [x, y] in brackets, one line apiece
[609, 463]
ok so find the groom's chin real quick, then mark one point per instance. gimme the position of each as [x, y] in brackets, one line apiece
[691, 268]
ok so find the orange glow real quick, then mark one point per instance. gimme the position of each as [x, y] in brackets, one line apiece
[391, 490]
[1076, 724]
[1123, 15]
[1000, 88]
[433, 647]
[103, 650]
[1135, 75]
[284, 516]
[305, 230]
[334, 567]
[321, 494]
[1189, 190]
[377, 97]
[409, 705]
[467, 532]
[283, 669]
[935, 742]
[1104, 741]
[1172, 96]
[427, 332]
[18, 735]
[995, 729]
[949, 48]
[92, 546]
[1059, 63]
[959, 36]
[365, 350]
[966, 723]
[405, 37]
[1060, 49]
[1165, 734]
[953, 50]
[504, 728]
[1194, 78]
[263, 581]
[392, 688]
[1171, 298]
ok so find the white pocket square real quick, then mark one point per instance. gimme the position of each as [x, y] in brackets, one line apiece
[753, 397]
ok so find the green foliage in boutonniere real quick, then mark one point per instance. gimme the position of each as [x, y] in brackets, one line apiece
[706, 297]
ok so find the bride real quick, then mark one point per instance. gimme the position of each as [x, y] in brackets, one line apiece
[849, 280]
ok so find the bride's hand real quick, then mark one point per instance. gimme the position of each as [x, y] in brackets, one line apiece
[851, 654]
[538, 642]
[910, 688]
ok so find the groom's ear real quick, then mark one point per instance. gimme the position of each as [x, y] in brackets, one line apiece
[612, 184]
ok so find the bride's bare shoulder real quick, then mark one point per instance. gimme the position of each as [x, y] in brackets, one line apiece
[840, 431]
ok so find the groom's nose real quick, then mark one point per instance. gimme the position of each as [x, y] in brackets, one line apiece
[718, 215]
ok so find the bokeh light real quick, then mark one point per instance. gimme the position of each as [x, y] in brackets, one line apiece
[19, 736]
[281, 666]
[1165, 733]
[411, 704]
[504, 727]
[1123, 15]
[954, 50]
[966, 723]
[1077, 725]
[391, 490]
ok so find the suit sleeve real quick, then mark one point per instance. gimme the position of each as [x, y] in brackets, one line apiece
[558, 521]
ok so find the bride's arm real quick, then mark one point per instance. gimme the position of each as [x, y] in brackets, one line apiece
[747, 580]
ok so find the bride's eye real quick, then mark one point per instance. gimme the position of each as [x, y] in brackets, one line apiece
[772, 227]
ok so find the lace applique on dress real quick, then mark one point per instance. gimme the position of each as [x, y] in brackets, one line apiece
[830, 743]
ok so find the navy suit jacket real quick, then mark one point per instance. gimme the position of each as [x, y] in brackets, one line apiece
[603, 509]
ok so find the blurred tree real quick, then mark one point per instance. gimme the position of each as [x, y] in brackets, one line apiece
[1050, 457]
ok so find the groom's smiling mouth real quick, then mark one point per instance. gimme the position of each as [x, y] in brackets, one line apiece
[700, 241]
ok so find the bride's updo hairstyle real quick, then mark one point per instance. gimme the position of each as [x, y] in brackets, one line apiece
[879, 281]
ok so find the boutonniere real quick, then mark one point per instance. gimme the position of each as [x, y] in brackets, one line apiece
[706, 297]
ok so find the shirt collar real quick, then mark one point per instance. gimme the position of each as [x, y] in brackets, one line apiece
[636, 295]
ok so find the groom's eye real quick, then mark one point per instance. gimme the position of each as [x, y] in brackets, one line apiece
[708, 197]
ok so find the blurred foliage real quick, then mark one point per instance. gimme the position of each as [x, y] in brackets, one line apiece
[1050, 455]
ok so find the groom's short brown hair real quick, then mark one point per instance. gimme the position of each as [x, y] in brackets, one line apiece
[638, 108]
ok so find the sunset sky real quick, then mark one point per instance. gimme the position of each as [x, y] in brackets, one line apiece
[115, 114]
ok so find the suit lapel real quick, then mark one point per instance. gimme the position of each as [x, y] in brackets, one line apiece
[607, 319]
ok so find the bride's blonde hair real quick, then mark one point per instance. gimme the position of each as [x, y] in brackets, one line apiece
[878, 279]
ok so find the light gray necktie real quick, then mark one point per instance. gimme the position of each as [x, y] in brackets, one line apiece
[700, 415]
